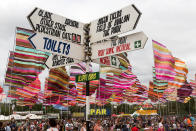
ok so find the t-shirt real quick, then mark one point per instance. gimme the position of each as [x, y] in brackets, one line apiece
[83, 129]
[174, 126]
[52, 129]
[188, 122]
[160, 125]
[134, 129]
[70, 126]
[7, 128]
[192, 120]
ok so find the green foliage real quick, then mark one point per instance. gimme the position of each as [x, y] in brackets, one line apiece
[169, 108]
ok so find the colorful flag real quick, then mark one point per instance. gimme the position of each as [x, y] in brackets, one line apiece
[164, 62]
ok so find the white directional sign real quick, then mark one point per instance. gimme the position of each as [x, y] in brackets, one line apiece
[54, 45]
[54, 25]
[118, 22]
[108, 61]
[55, 61]
[123, 44]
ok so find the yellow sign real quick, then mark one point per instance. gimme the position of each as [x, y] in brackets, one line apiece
[87, 77]
[78, 114]
[146, 112]
[98, 112]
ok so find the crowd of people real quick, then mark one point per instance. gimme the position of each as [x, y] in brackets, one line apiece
[136, 123]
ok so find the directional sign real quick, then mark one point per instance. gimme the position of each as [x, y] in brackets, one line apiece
[118, 22]
[55, 61]
[54, 45]
[123, 44]
[54, 25]
[87, 77]
[112, 61]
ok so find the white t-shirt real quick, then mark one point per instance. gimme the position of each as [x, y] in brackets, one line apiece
[174, 126]
[69, 125]
[83, 129]
[160, 125]
[52, 129]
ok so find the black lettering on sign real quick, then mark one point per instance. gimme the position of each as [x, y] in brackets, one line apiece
[121, 20]
[102, 20]
[69, 60]
[122, 40]
[106, 33]
[111, 24]
[58, 60]
[54, 28]
[72, 23]
[55, 57]
[59, 26]
[101, 27]
[46, 22]
[45, 14]
[40, 13]
[116, 29]
[115, 15]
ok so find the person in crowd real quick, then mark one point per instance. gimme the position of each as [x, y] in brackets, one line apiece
[98, 126]
[69, 125]
[13, 125]
[83, 128]
[7, 126]
[188, 123]
[192, 121]
[1, 126]
[160, 125]
[135, 127]
[53, 125]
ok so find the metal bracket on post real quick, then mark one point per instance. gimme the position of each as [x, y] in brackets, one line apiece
[88, 54]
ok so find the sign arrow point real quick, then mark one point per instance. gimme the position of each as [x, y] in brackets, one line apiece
[31, 40]
[29, 18]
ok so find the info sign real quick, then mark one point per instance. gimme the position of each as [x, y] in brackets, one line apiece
[123, 44]
[57, 46]
[112, 61]
[116, 23]
[55, 61]
[87, 77]
[55, 25]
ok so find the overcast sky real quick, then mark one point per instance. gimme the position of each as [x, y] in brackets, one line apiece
[171, 22]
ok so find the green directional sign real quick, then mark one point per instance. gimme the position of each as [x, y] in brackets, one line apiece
[87, 77]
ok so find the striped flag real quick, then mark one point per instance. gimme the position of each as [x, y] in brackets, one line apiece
[178, 81]
[164, 62]
[25, 63]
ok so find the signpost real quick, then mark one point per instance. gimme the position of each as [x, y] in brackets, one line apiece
[55, 45]
[115, 23]
[123, 44]
[87, 77]
[55, 61]
[112, 61]
[55, 25]
[63, 38]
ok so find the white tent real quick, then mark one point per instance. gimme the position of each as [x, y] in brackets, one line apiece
[15, 116]
[33, 116]
[2, 117]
